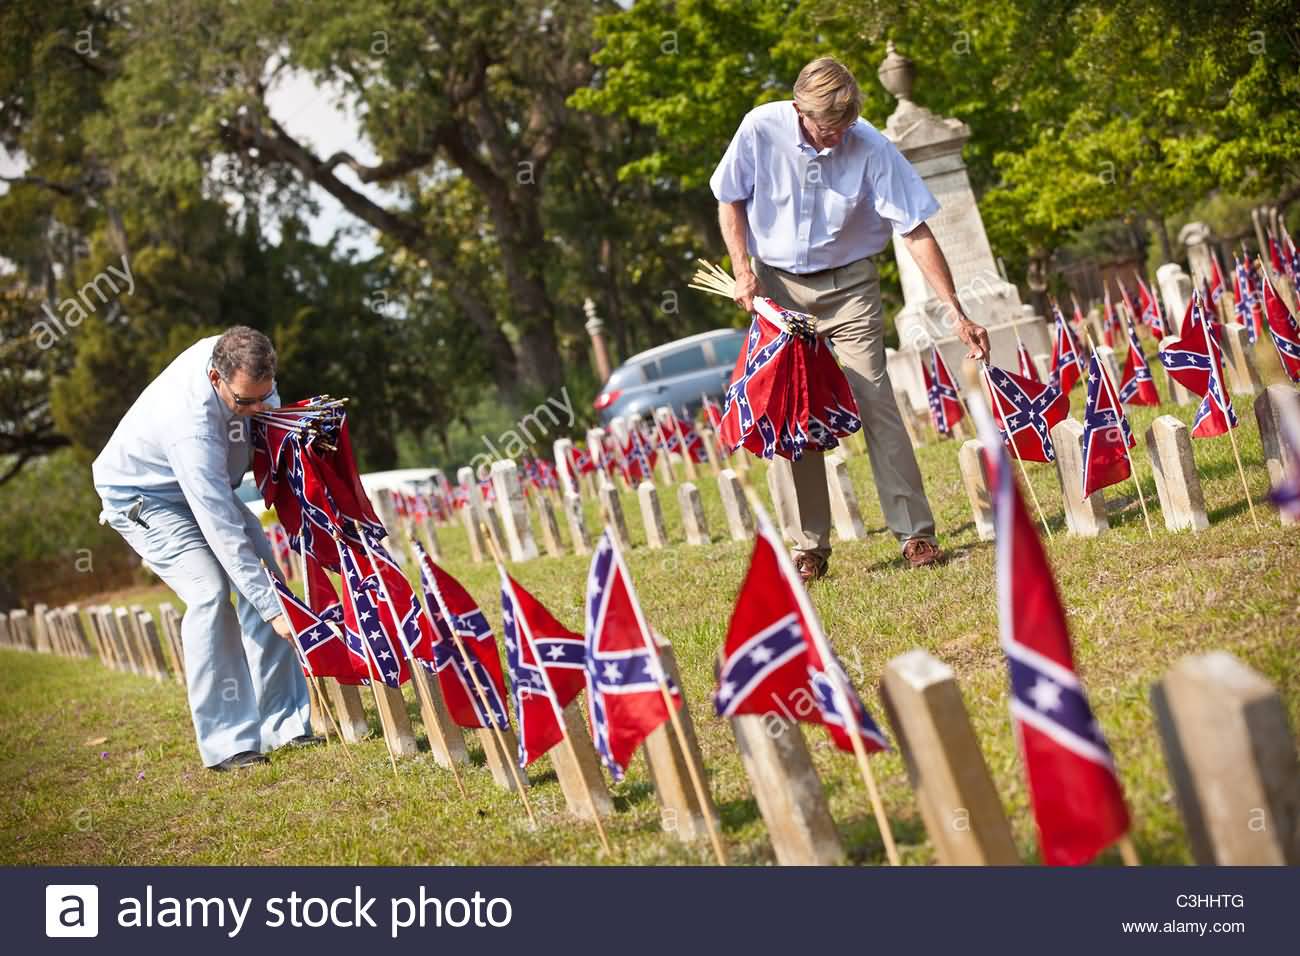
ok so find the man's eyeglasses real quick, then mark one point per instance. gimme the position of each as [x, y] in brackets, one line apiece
[826, 132]
[245, 402]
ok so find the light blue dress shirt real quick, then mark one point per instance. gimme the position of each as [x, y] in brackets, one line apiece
[181, 445]
[810, 209]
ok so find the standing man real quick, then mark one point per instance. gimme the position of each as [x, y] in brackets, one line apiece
[166, 479]
[813, 192]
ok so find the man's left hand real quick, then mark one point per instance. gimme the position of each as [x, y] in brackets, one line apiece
[976, 338]
[283, 627]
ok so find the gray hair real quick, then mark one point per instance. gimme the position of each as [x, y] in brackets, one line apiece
[241, 349]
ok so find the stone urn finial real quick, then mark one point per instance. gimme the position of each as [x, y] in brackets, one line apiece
[896, 74]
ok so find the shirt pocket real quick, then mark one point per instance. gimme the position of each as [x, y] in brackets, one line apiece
[838, 208]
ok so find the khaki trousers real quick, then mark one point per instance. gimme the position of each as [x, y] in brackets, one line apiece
[846, 302]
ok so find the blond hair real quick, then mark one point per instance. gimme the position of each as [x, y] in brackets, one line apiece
[827, 92]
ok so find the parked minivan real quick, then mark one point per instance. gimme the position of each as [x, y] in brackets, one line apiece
[676, 374]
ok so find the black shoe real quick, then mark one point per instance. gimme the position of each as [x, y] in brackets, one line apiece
[306, 740]
[245, 758]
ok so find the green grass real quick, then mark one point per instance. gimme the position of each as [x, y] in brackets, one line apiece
[1136, 606]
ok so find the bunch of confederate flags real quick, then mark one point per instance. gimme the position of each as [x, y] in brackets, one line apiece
[1026, 408]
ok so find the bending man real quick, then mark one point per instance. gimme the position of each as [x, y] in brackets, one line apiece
[166, 479]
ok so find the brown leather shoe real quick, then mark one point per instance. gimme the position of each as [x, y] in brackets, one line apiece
[810, 566]
[920, 552]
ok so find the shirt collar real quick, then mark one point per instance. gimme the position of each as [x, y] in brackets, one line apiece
[802, 144]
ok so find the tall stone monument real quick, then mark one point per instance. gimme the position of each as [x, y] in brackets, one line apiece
[933, 145]
[1197, 236]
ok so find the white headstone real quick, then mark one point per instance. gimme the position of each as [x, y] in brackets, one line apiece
[470, 514]
[1177, 484]
[693, 521]
[740, 520]
[844, 499]
[1083, 516]
[975, 481]
[563, 449]
[612, 511]
[513, 510]
[652, 515]
[1272, 404]
[577, 520]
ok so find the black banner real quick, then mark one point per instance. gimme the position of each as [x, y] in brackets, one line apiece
[627, 910]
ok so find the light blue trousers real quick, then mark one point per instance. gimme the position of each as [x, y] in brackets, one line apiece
[246, 689]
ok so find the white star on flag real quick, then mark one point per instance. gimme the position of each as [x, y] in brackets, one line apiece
[726, 690]
[761, 654]
[556, 652]
[612, 672]
[1045, 695]
[652, 667]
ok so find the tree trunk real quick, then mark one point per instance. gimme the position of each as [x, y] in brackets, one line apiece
[1162, 234]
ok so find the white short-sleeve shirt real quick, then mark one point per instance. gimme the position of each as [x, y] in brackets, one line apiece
[810, 209]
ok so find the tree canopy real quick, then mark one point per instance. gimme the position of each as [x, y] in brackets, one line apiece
[520, 158]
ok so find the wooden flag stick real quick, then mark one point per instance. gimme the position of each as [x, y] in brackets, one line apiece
[478, 689]
[1127, 852]
[984, 367]
[1078, 359]
[421, 691]
[696, 772]
[722, 449]
[370, 668]
[527, 633]
[313, 686]
[1269, 329]
[383, 723]
[1232, 437]
[1119, 410]
[314, 681]
[1211, 344]
[618, 454]
[824, 650]
[688, 466]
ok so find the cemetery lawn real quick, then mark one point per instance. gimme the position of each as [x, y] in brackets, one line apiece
[99, 767]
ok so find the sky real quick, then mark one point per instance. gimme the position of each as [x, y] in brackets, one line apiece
[308, 112]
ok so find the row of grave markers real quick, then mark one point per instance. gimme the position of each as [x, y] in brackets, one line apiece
[1168, 442]
[1177, 484]
[1230, 755]
[1169, 445]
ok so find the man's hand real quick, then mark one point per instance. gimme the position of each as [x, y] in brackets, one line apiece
[976, 338]
[929, 258]
[746, 289]
[282, 627]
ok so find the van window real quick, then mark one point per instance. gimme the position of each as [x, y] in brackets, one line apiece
[628, 376]
[727, 350]
[682, 362]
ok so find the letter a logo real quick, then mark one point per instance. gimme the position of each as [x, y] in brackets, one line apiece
[71, 910]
